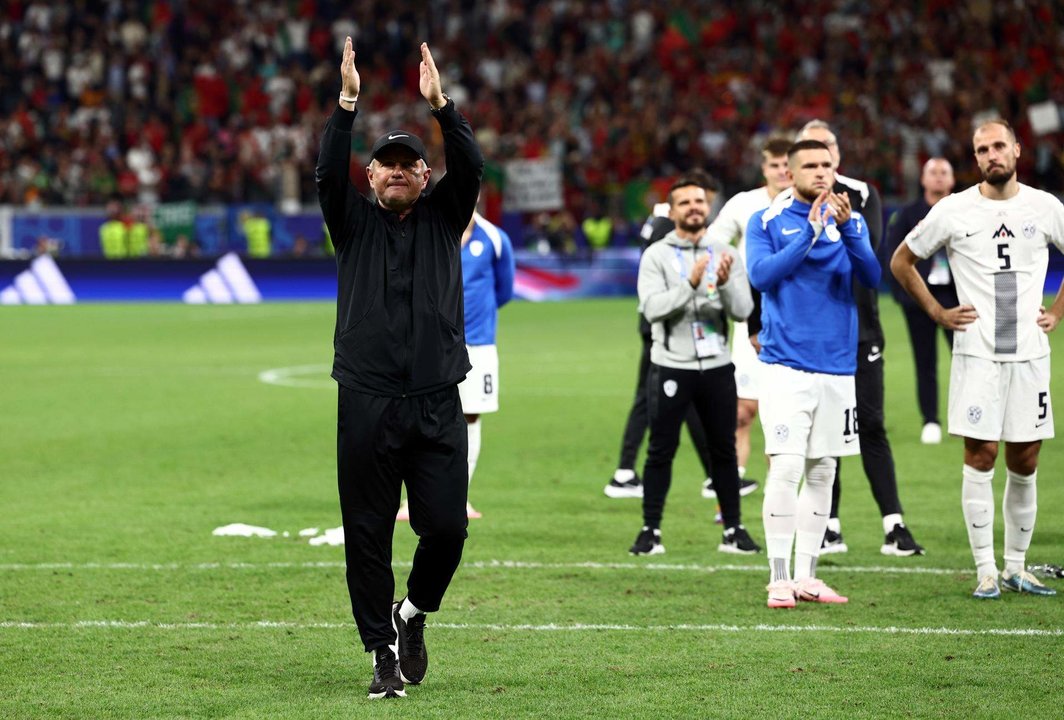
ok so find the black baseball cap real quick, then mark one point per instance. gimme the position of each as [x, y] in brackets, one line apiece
[399, 137]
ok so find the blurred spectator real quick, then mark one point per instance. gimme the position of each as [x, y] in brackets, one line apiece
[216, 102]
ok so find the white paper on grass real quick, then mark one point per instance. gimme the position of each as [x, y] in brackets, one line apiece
[332, 536]
[243, 530]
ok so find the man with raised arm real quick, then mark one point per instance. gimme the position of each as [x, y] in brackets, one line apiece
[399, 355]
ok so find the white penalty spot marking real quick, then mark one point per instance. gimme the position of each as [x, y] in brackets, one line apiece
[551, 627]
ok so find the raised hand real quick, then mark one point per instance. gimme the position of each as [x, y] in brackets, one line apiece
[348, 74]
[430, 79]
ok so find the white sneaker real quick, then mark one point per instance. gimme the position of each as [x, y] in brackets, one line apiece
[931, 434]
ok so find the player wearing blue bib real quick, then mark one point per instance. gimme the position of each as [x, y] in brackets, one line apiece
[488, 278]
[802, 254]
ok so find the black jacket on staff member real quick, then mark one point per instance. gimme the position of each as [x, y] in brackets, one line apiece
[399, 316]
[399, 356]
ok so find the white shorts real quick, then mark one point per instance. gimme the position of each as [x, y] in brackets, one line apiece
[747, 365]
[480, 389]
[808, 414]
[1008, 401]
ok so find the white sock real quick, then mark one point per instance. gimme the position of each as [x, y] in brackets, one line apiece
[814, 506]
[889, 521]
[622, 475]
[834, 525]
[742, 472]
[780, 509]
[407, 610]
[977, 501]
[473, 430]
[1019, 508]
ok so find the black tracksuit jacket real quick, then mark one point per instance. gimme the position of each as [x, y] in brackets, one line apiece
[400, 329]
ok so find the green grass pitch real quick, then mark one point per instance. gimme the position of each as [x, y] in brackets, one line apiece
[128, 433]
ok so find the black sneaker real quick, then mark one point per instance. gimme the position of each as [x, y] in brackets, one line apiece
[413, 656]
[900, 542]
[737, 540]
[648, 542]
[628, 489]
[832, 543]
[386, 681]
[745, 488]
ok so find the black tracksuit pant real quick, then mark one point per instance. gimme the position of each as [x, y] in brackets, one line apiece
[922, 331]
[381, 443]
[638, 422]
[671, 394]
[876, 456]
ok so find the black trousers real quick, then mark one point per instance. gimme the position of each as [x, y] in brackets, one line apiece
[671, 394]
[922, 331]
[876, 455]
[382, 443]
[638, 422]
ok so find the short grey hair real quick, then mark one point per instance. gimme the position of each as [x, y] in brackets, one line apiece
[815, 124]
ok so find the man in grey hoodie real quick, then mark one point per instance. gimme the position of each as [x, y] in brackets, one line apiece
[688, 288]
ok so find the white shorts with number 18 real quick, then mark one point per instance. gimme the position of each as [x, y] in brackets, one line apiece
[809, 414]
[480, 390]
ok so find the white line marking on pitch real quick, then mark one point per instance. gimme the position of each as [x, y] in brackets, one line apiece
[487, 565]
[572, 627]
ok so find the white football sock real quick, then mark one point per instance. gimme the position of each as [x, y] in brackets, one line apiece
[977, 501]
[742, 472]
[780, 508]
[814, 506]
[1019, 508]
[473, 430]
[622, 475]
[834, 525]
[407, 610]
[889, 521]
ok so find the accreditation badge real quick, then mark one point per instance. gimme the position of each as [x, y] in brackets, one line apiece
[707, 342]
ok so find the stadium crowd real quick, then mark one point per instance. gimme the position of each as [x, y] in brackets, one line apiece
[160, 100]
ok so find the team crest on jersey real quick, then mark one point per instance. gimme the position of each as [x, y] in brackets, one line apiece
[1029, 230]
[670, 387]
[476, 247]
[975, 414]
[782, 433]
[1003, 232]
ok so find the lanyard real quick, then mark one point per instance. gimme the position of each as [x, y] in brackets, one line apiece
[710, 274]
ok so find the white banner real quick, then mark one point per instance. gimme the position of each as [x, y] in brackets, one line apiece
[533, 185]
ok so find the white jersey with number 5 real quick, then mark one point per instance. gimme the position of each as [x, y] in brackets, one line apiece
[998, 251]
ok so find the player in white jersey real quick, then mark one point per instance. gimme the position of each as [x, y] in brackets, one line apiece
[730, 227]
[997, 237]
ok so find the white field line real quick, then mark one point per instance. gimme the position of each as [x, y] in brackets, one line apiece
[551, 627]
[489, 565]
